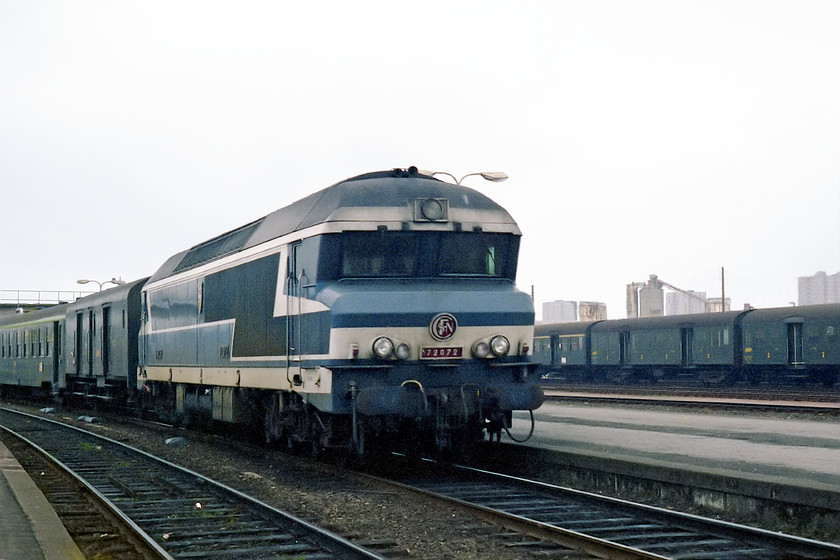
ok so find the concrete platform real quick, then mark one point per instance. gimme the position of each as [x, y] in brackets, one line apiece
[794, 461]
[29, 527]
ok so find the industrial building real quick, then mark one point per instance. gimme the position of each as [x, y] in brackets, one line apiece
[647, 299]
[562, 311]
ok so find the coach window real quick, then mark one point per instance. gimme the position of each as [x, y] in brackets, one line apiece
[716, 338]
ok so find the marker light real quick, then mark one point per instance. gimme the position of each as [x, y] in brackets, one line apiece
[402, 351]
[481, 350]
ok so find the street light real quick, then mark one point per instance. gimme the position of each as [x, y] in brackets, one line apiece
[111, 281]
[492, 176]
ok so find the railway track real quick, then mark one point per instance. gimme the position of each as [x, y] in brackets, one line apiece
[176, 512]
[688, 390]
[804, 402]
[602, 526]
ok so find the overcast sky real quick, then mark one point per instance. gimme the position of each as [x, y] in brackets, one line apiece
[670, 138]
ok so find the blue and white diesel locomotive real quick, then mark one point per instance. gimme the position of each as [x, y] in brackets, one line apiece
[381, 307]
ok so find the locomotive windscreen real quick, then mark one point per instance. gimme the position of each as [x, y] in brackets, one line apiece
[400, 254]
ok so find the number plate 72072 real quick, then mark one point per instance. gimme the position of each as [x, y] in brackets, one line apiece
[438, 353]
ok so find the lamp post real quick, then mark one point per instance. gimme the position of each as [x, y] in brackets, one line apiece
[492, 176]
[111, 281]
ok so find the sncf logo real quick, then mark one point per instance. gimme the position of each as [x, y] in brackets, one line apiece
[443, 326]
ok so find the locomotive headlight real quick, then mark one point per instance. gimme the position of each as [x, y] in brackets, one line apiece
[402, 351]
[481, 350]
[383, 347]
[499, 345]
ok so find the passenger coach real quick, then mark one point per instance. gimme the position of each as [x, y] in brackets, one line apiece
[101, 345]
[31, 349]
[776, 345]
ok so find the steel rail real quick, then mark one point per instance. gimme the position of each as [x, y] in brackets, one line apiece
[706, 402]
[789, 544]
[806, 396]
[548, 533]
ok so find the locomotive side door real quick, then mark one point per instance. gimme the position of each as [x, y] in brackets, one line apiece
[294, 334]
